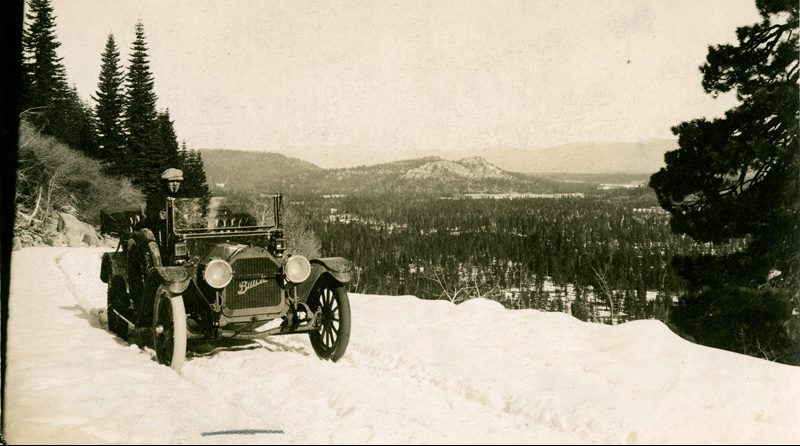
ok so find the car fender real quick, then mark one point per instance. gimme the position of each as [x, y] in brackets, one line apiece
[338, 268]
[174, 278]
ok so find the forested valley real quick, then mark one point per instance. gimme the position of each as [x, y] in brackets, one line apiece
[602, 257]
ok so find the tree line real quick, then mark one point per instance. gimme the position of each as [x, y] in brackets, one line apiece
[124, 130]
[618, 242]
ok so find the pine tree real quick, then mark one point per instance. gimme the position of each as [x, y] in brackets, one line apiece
[194, 174]
[47, 102]
[140, 118]
[738, 177]
[44, 79]
[168, 140]
[71, 121]
[183, 155]
[108, 111]
[202, 180]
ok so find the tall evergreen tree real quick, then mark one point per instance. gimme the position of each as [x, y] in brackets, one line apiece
[108, 111]
[183, 154]
[195, 183]
[71, 121]
[738, 177]
[44, 79]
[140, 117]
[47, 102]
[202, 180]
[183, 163]
[167, 139]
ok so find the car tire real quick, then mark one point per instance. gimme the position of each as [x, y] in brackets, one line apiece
[117, 300]
[329, 300]
[143, 255]
[169, 329]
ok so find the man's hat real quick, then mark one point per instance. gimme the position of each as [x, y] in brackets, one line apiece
[172, 174]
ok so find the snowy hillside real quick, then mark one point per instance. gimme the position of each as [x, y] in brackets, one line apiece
[473, 168]
[415, 372]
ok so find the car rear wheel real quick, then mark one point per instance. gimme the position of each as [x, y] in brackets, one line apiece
[143, 255]
[118, 301]
[329, 301]
[169, 329]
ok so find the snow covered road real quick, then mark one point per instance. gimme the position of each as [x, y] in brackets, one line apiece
[415, 372]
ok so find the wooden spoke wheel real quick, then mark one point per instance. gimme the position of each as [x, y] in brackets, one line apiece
[169, 329]
[331, 305]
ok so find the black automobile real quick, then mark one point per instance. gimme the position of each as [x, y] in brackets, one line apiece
[219, 269]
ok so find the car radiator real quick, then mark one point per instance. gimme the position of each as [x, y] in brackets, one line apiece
[254, 284]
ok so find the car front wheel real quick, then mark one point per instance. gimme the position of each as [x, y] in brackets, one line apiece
[169, 329]
[331, 305]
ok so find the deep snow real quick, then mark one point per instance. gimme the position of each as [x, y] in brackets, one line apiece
[415, 372]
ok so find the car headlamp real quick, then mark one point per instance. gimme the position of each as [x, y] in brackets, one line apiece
[297, 269]
[218, 273]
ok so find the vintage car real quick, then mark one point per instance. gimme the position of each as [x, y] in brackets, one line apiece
[220, 270]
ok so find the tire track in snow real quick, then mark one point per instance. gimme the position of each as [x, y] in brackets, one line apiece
[96, 319]
[336, 393]
[94, 316]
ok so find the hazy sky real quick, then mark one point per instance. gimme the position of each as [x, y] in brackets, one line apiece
[409, 76]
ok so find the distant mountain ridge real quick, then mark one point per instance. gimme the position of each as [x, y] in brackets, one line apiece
[273, 172]
[638, 157]
[491, 170]
[599, 158]
[241, 169]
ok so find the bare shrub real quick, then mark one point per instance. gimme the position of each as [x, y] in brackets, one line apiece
[458, 287]
[300, 239]
[53, 177]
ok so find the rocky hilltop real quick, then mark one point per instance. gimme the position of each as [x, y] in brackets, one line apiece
[470, 168]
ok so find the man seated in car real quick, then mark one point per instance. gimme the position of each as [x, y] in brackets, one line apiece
[153, 225]
[156, 203]
[146, 247]
[155, 215]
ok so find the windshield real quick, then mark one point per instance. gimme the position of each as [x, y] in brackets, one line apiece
[224, 213]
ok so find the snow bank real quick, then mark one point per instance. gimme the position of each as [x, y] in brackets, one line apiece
[415, 372]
